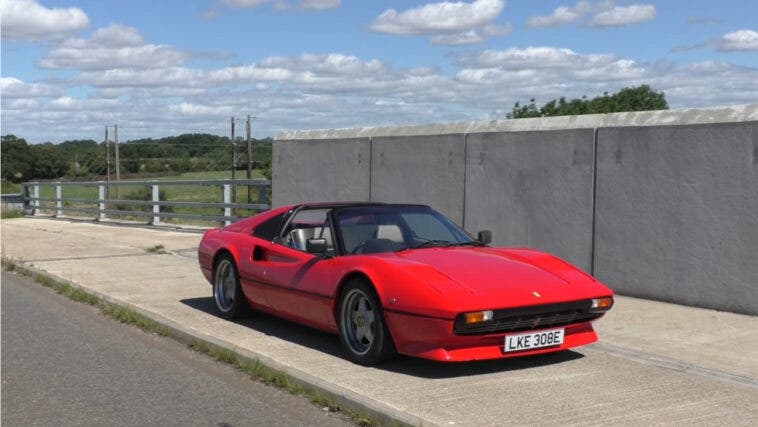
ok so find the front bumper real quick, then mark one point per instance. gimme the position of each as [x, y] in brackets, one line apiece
[432, 338]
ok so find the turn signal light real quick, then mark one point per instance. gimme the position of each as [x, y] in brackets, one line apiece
[602, 304]
[478, 316]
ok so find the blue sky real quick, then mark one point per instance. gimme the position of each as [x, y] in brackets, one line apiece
[165, 67]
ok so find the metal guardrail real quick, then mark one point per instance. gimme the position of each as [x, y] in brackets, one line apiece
[105, 207]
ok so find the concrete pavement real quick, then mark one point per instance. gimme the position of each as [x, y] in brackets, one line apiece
[655, 362]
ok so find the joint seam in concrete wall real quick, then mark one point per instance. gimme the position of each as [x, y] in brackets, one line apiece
[370, 166]
[465, 174]
[593, 212]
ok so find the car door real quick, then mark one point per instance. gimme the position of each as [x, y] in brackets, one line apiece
[296, 284]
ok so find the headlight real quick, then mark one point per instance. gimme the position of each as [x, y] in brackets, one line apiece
[477, 317]
[601, 304]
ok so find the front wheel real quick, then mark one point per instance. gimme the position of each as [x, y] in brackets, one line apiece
[363, 332]
[227, 291]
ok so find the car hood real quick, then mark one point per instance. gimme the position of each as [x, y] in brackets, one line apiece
[490, 277]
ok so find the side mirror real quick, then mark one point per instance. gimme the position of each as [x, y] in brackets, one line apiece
[315, 246]
[484, 236]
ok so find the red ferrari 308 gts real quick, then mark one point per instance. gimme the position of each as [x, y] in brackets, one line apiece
[391, 278]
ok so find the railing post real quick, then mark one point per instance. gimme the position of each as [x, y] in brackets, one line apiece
[100, 203]
[58, 199]
[35, 203]
[262, 195]
[155, 189]
[27, 205]
[227, 190]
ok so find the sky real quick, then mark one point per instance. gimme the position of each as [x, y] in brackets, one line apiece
[166, 67]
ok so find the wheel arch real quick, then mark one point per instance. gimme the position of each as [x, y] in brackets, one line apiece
[356, 274]
[219, 253]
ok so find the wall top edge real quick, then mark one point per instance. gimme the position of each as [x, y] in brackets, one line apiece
[729, 114]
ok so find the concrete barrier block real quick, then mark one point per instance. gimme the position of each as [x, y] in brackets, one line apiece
[321, 170]
[677, 214]
[420, 169]
[533, 189]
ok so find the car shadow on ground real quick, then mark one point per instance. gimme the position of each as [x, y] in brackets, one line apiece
[330, 344]
[276, 327]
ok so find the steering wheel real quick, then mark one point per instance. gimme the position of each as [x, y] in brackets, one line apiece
[359, 249]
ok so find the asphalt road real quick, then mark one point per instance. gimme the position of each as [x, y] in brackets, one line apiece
[63, 363]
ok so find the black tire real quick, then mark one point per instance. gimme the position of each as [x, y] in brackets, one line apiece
[363, 331]
[227, 292]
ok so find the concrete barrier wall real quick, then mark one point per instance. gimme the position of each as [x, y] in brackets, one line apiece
[661, 205]
[318, 170]
[420, 169]
[677, 214]
[533, 189]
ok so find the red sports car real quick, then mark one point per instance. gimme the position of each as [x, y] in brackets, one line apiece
[398, 278]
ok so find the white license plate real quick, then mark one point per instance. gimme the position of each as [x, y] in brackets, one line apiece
[532, 340]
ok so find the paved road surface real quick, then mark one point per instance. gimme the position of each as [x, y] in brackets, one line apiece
[63, 363]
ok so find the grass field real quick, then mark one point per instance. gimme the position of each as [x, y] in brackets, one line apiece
[7, 187]
[183, 193]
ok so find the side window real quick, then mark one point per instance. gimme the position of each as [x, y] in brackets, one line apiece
[267, 230]
[309, 224]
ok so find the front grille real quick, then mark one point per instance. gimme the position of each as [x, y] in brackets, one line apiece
[527, 318]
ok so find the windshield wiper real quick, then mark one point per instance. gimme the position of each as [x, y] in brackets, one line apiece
[471, 243]
[430, 244]
[441, 244]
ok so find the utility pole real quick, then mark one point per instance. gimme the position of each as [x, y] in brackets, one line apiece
[234, 164]
[118, 164]
[249, 157]
[107, 160]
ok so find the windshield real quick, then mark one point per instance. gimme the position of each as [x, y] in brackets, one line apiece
[376, 229]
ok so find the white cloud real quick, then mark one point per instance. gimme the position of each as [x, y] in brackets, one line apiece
[12, 87]
[606, 14]
[541, 71]
[467, 37]
[28, 20]
[742, 40]
[338, 90]
[566, 14]
[115, 35]
[328, 64]
[624, 15]
[538, 57]
[151, 78]
[438, 17]
[20, 104]
[447, 22]
[190, 109]
[112, 47]
[561, 15]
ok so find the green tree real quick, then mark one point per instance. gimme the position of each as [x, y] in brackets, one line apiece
[16, 159]
[640, 98]
[48, 162]
[84, 158]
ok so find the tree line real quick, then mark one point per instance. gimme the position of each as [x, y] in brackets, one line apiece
[88, 159]
[639, 98]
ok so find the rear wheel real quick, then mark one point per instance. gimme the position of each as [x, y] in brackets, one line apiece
[227, 292]
[363, 331]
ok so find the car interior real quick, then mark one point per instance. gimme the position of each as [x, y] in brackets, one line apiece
[359, 238]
